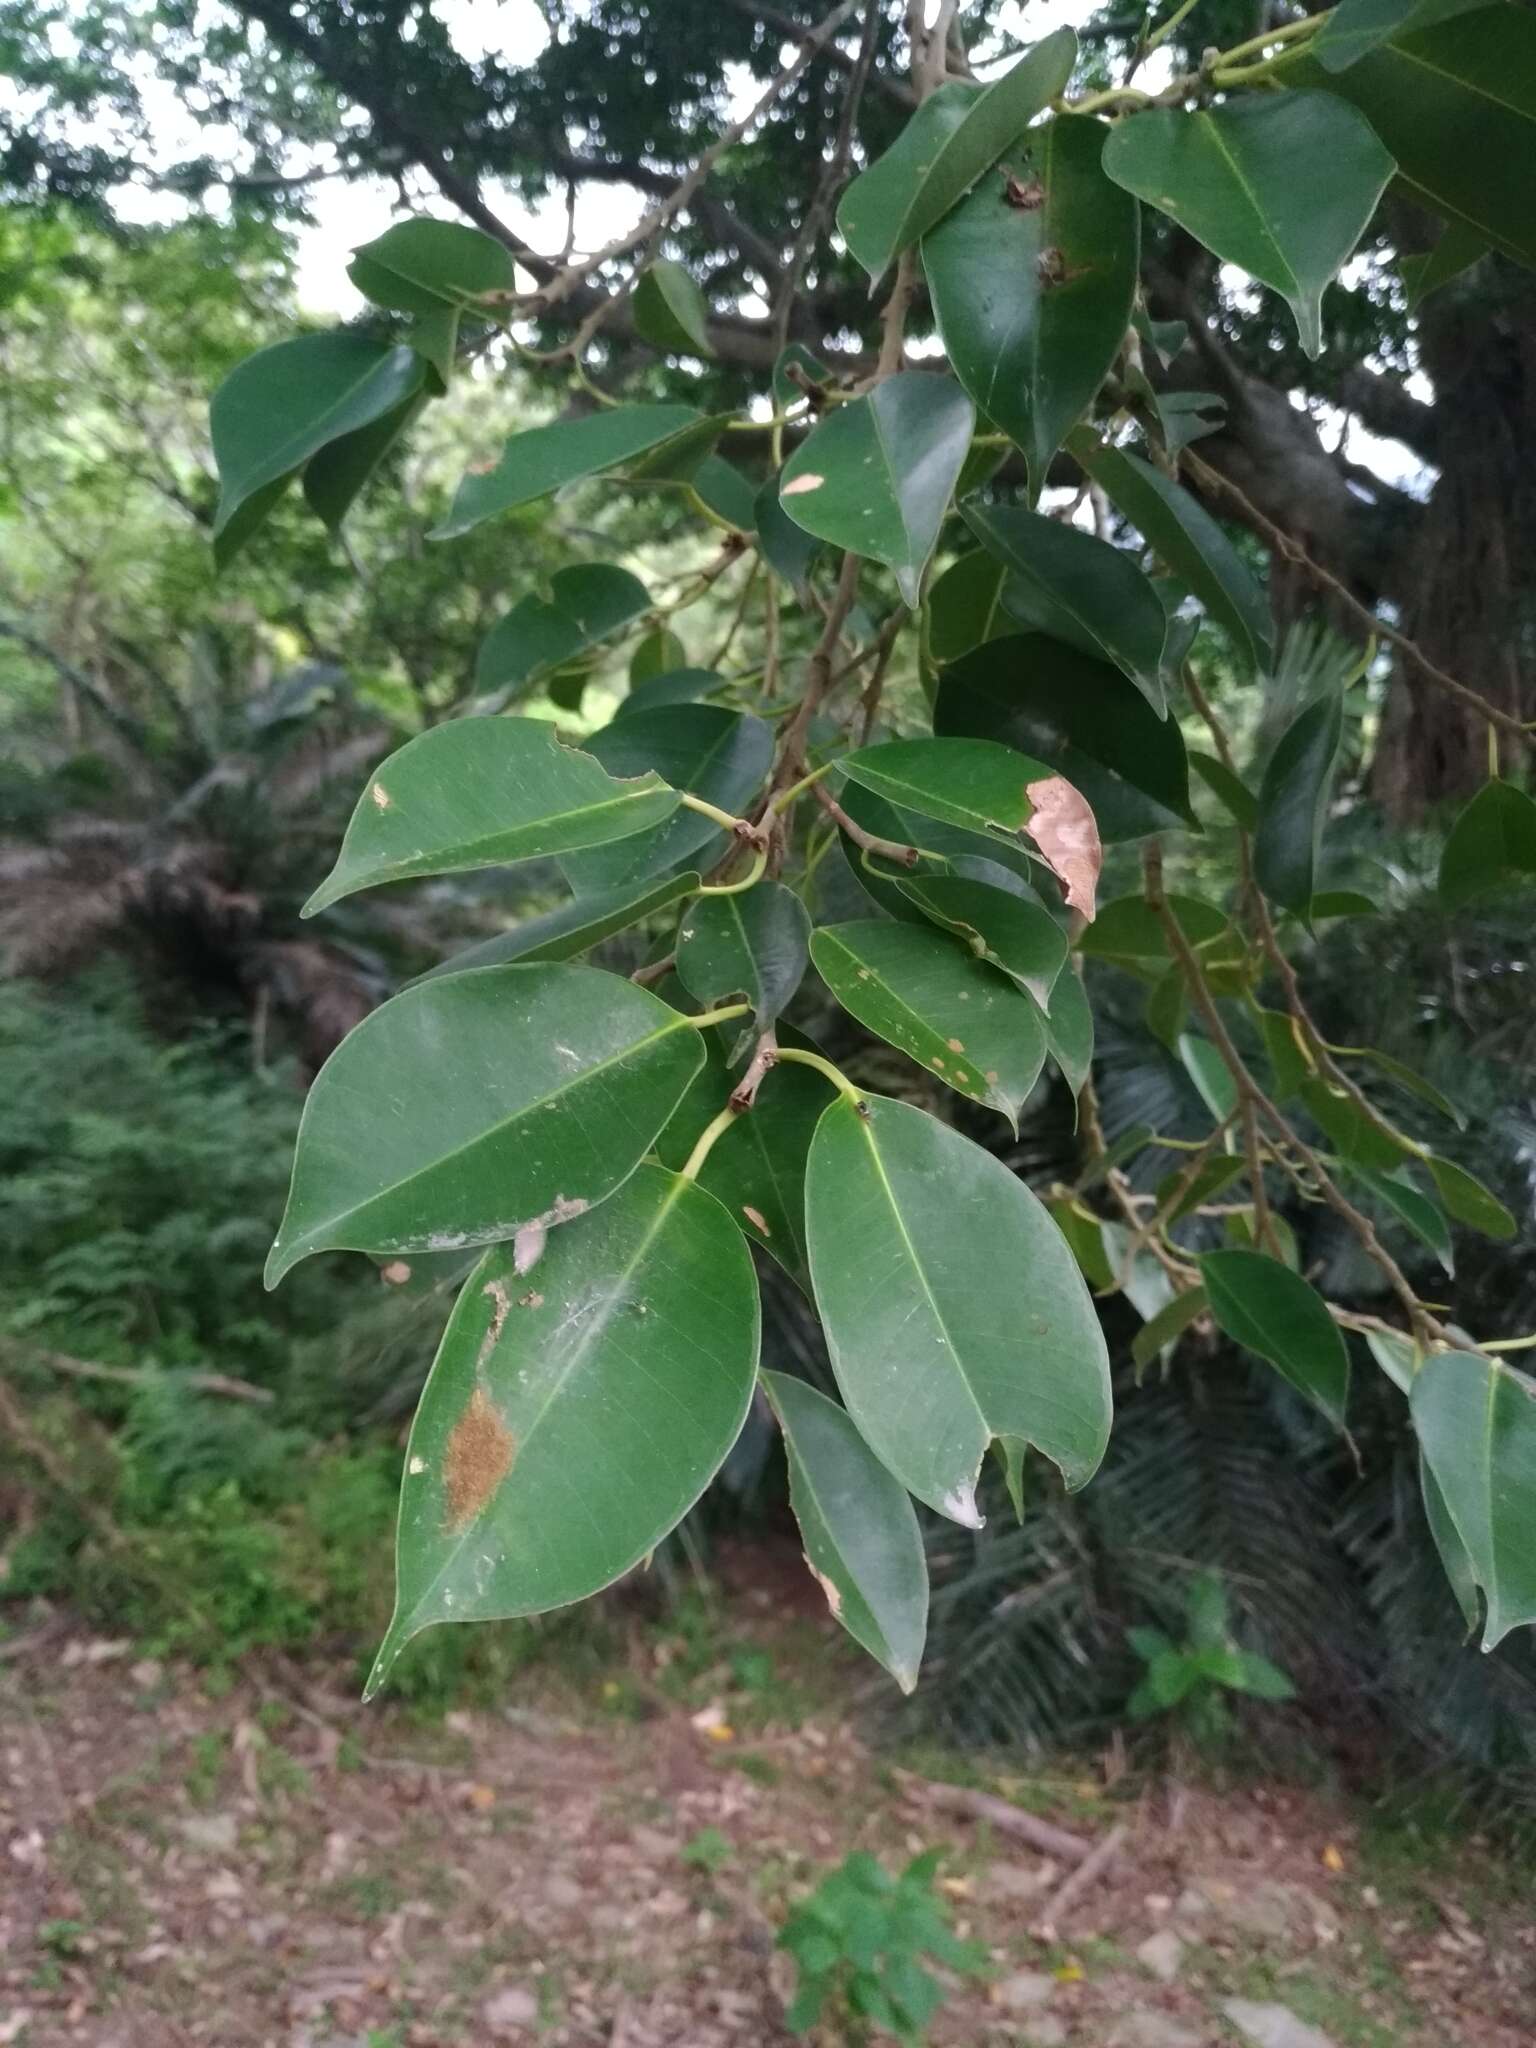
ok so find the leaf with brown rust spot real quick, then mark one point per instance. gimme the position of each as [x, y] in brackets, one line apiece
[1064, 829]
[479, 1457]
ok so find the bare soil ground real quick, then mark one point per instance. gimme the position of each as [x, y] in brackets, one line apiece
[603, 1861]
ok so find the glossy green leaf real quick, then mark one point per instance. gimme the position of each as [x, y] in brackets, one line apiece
[1458, 248]
[722, 756]
[464, 1144]
[1082, 719]
[1293, 804]
[1187, 540]
[1209, 1072]
[1168, 1325]
[1019, 937]
[1129, 932]
[1229, 789]
[419, 266]
[542, 459]
[1212, 1178]
[1416, 1211]
[658, 654]
[279, 407]
[1451, 102]
[757, 1170]
[976, 784]
[860, 1533]
[934, 1000]
[583, 922]
[533, 1394]
[1065, 583]
[1281, 184]
[965, 606]
[670, 312]
[1405, 1078]
[679, 686]
[1469, 1201]
[1455, 1559]
[787, 548]
[1359, 1140]
[1272, 1311]
[587, 603]
[1491, 845]
[1032, 280]
[1288, 1064]
[755, 943]
[1355, 27]
[874, 207]
[1085, 1237]
[1341, 903]
[1476, 1424]
[1397, 1356]
[955, 135]
[724, 495]
[335, 475]
[482, 793]
[876, 475]
[953, 1309]
[1069, 1031]
[1184, 417]
[1167, 1010]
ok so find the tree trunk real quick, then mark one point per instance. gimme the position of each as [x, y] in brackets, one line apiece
[1467, 588]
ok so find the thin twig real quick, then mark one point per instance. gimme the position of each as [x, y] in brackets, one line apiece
[870, 842]
[997, 1813]
[1086, 1875]
[1212, 480]
[133, 1376]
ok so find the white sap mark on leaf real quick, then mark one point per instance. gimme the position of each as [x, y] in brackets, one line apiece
[416, 1467]
[530, 1300]
[834, 1598]
[448, 1240]
[756, 1218]
[380, 796]
[799, 485]
[1063, 826]
[960, 1506]
[528, 1247]
[529, 1238]
[396, 1273]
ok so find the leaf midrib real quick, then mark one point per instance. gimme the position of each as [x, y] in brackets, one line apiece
[628, 1052]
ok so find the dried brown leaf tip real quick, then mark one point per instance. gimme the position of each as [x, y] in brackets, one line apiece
[477, 1460]
[1063, 827]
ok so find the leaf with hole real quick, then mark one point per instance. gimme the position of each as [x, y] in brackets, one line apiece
[587, 604]
[1492, 844]
[860, 1534]
[1067, 584]
[468, 1145]
[281, 406]
[953, 1309]
[876, 475]
[535, 1385]
[1016, 936]
[931, 998]
[1293, 804]
[1272, 1311]
[1281, 184]
[1186, 539]
[1032, 280]
[670, 312]
[543, 459]
[719, 755]
[754, 943]
[482, 793]
[1079, 717]
[1476, 1424]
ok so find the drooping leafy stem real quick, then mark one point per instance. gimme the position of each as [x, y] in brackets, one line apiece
[903, 771]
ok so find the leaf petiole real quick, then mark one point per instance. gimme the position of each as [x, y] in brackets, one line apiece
[754, 874]
[825, 1068]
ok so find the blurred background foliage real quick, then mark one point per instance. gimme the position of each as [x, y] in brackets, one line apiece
[178, 754]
